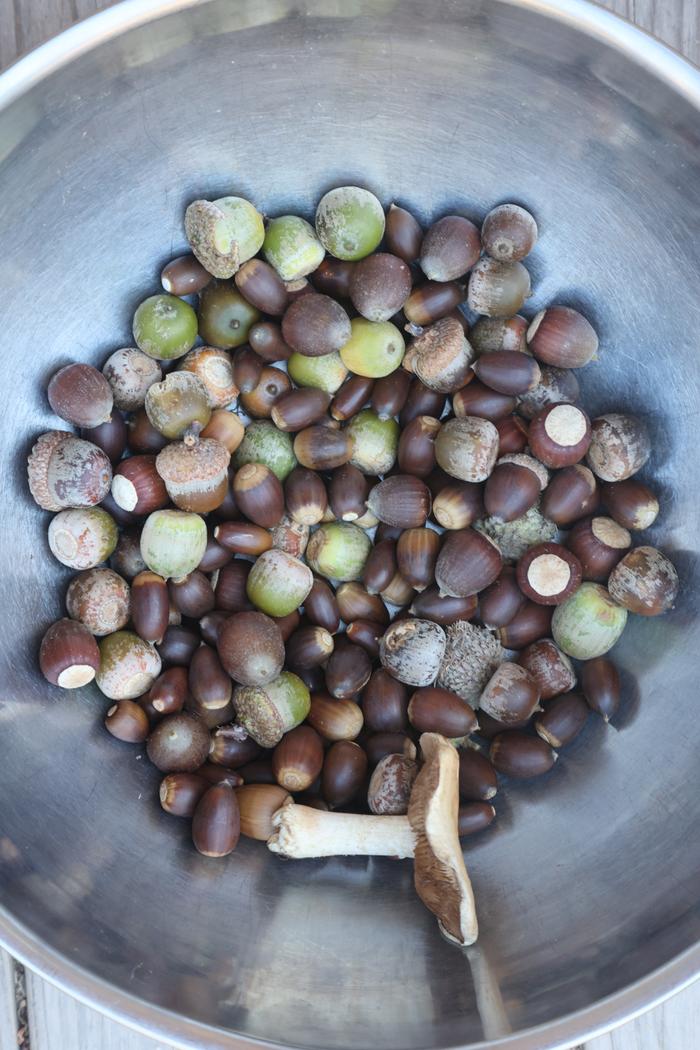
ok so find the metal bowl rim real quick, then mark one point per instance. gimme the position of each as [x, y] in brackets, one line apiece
[679, 74]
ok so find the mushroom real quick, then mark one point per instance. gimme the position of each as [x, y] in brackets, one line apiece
[428, 834]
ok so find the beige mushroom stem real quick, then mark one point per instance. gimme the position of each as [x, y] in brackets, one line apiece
[428, 834]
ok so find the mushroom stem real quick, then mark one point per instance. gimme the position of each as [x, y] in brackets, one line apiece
[301, 831]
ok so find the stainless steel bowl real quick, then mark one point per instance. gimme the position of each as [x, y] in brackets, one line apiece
[588, 887]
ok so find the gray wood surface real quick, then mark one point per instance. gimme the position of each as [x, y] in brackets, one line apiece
[57, 1022]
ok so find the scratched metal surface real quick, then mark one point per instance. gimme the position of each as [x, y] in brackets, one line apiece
[339, 953]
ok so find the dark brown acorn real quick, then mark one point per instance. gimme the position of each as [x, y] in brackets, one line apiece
[450, 248]
[179, 793]
[473, 817]
[230, 591]
[548, 573]
[306, 496]
[431, 301]
[477, 777]
[335, 719]
[247, 369]
[178, 646]
[551, 669]
[242, 538]
[416, 452]
[420, 401]
[348, 670]
[347, 493]
[216, 823]
[562, 337]
[150, 606]
[344, 773]
[332, 277]
[521, 756]
[352, 396]
[560, 435]
[507, 372]
[499, 603]
[458, 505]
[272, 385]
[531, 622]
[261, 285]
[630, 503]
[267, 343]
[367, 634]
[600, 682]
[210, 685]
[380, 567]
[309, 647]
[445, 610]
[379, 286]
[477, 399]
[434, 710]
[315, 325]
[300, 408]
[81, 395]
[385, 703]
[319, 448]
[169, 691]
[512, 435]
[259, 494]
[401, 500]
[251, 648]
[178, 744]
[510, 695]
[403, 233]
[563, 719]
[192, 595]
[298, 759]
[416, 554]
[511, 491]
[468, 563]
[321, 607]
[389, 393]
[355, 603]
[571, 494]
[599, 544]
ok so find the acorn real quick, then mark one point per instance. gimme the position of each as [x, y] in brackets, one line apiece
[129, 665]
[645, 582]
[269, 711]
[214, 368]
[390, 785]
[230, 747]
[351, 397]
[298, 758]
[332, 277]
[272, 385]
[556, 386]
[264, 443]
[335, 718]
[458, 505]
[338, 551]
[378, 745]
[344, 773]
[551, 670]
[173, 542]
[168, 693]
[599, 544]
[266, 347]
[489, 727]
[435, 710]
[374, 442]
[518, 755]
[138, 487]
[507, 372]
[571, 494]
[110, 436]
[216, 823]
[347, 493]
[403, 233]
[126, 558]
[178, 646]
[243, 538]
[562, 337]
[600, 683]
[380, 566]
[325, 373]
[290, 537]
[379, 286]
[258, 803]
[66, 472]
[512, 435]
[467, 448]
[432, 301]
[401, 500]
[69, 656]
[499, 603]
[99, 599]
[511, 694]
[215, 556]
[210, 685]
[477, 777]
[278, 583]
[497, 289]
[130, 373]
[251, 648]
[398, 592]
[589, 623]
[531, 622]
[367, 634]
[416, 554]
[178, 744]
[440, 356]
[412, 650]
[229, 592]
[247, 368]
[420, 401]
[150, 606]
[179, 793]
[389, 393]
[499, 333]
[548, 573]
[82, 539]
[315, 325]
[429, 605]
[184, 275]
[259, 494]
[299, 409]
[305, 496]
[179, 407]
[508, 233]
[319, 448]
[142, 436]
[348, 670]
[321, 607]
[81, 395]
[127, 721]
[510, 491]
[262, 286]
[560, 435]
[309, 647]
[630, 503]
[450, 248]
[477, 399]
[562, 719]
[385, 703]
[619, 447]
[355, 603]
[473, 817]
[467, 563]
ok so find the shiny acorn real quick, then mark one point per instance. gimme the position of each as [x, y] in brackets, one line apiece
[445, 610]
[478, 399]
[355, 603]
[468, 563]
[257, 804]
[348, 670]
[435, 710]
[351, 397]
[298, 759]
[630, 503]
[507, 371]
[562, 337]
[600, 684]
[515, 754]
[416, 554]
[420, 401]
[344, 772]
[216, 822]
[531, 622]
[497, 289]
[570, 495]
[272, 385]
[401, 500]
[184, 275]
[403, 233]
[321, 607]
[562, 720]
[508, 233]
[477, 777]
[548, 573]
[335, 718]
[69, 656]
[500, 601]
[599, 543]
[126, 720]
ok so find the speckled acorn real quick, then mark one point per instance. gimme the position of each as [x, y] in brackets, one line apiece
[81, 395]
[645, 582]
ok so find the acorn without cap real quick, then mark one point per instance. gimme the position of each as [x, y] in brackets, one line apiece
[467, 563]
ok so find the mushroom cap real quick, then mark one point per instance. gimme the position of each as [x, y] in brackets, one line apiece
[440, 876]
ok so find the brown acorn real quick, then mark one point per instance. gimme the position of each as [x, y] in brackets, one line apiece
[242, 538]
[416, 451]
[168, 693]
[179, 793]
[467, 563]
[216, 823]
[178, 646]
[265, 338]
[344, 773]
[560, 435]
[214, 557]
[477, 777]
[385, 703]
[379, 286]
[309, 647]
[562, 337]
[450, 248]
[571, 494]
[192, 595]
[512, 435]
[599, 544]
[432, 301]
[81, 395]
[138, 487]
[507, 371]
[420, 401]
[355, 603]
[348, 670]
[126, 720]
[445, 610]
[380, 566]
[521, 756]
[333, 718]
[434, 710]
[258, 803]
[320, 448]
[150, 606]
[305, 496]
[600, 682]
[347, 493]
[209, 625]
[416, 554]
[563, 719]
[508, 233]
[321, 607]
[367, 634]
[458, 505]
[389, 393]
[210, 685]
[531, 622]
[332, 277]
[403, 233]
[300, 408]
[315, 325]
[401, 500]
[195, 476]
[550, 668]
[499, 333]
[499, 603]
[184, 275]
[230, 590]
[477, 399]
[272, 384]
[473, 817]
[261, 285]
[510, 491]
[630, 503]
[247, 368]
[179, 743]
[228, 749]
[298, 758]
[467, 448]
[510, 695]
[548, 573]
[251, 648]
[645, 581]
[259, 494]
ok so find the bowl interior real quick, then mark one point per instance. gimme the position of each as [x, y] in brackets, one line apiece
[588, 881]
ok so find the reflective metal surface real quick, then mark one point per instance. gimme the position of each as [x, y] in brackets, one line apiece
[588, 887]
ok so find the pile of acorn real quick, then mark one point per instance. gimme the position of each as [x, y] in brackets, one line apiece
[411, 526]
